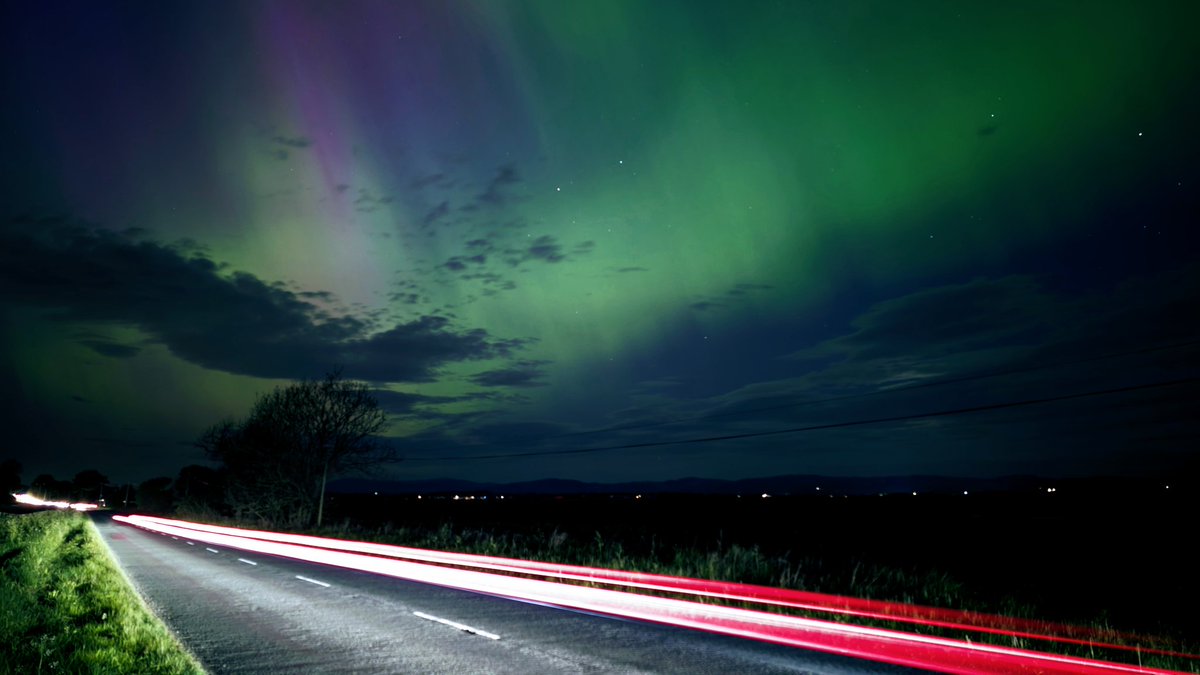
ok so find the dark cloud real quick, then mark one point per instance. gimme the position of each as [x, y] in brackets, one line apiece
[584, 247]
[324, 296]
[422, 406]
[455, 264]
[496, 192]
[405, 298]
[975, 344]
[546, 249]
[632, 269]
[401, 403]
[79, 399]
[367, 202]
[435, 214]
[743, 289]
[494, 282]
[112, 349]
[434, 179]
[292, 141]
[730, 296]
[981, 314]
[231, 322]
[525, 373]
[280, 154]
[987, 130]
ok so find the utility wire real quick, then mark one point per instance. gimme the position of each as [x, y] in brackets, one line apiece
[816, 427]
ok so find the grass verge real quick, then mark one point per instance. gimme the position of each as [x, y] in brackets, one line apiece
[66, 608]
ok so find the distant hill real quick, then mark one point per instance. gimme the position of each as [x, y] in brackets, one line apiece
[774, 485]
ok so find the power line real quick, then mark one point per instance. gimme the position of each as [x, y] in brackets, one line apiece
[817, 427]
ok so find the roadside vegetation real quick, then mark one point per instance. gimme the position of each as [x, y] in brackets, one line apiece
[66, 608]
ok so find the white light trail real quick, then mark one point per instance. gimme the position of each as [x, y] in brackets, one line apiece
[907, 649]
[30, 500]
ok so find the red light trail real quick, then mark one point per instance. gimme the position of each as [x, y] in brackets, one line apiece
[921, 651]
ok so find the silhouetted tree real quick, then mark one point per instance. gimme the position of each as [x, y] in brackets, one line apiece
[154, 495]
[49, 487]
[280, 458]
[199, 491]
[89, 485]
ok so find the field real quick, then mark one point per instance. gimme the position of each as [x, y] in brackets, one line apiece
[64, 606]
[1089, 560]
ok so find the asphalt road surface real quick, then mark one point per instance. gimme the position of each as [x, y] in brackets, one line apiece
[252, 613]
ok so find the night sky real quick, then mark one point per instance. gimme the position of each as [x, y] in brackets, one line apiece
[539, 227]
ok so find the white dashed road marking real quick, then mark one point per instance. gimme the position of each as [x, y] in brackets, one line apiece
[461, 626]
[312, 581]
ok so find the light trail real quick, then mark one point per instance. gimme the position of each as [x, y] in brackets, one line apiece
[876, 644]
[764, 595]
[30, 500]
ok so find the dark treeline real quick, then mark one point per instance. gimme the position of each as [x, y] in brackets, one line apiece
[272, 465]
[196, 490]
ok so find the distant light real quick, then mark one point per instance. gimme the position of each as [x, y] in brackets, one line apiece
[456, 498]
[964, 492]
[501, 496]
[418, 496]
[818, 488]
[914, 494]
[376, 493]
[26, 498]
[1168, 487]
[639, 497]
[765, 495]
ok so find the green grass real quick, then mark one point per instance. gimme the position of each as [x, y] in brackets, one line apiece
[66, 608]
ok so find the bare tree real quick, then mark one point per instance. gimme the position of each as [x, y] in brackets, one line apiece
[296, 437]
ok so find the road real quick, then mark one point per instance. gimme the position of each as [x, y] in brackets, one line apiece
[254, 613]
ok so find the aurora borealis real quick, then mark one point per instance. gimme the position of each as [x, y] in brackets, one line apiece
[525, 220]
